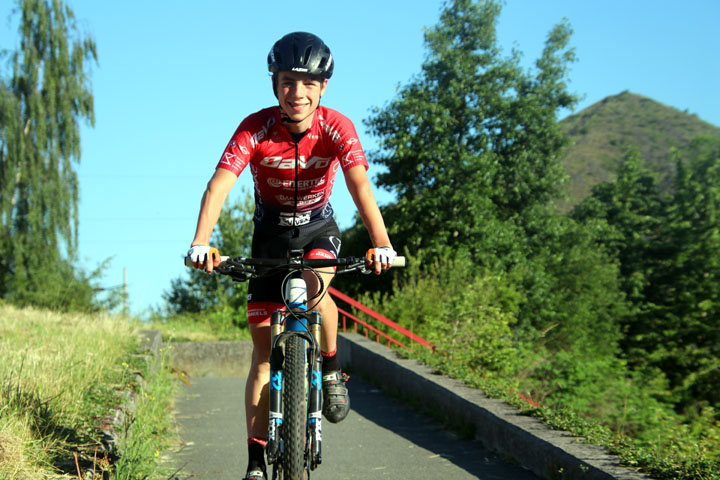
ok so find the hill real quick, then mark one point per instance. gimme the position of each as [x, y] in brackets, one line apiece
[600, 134]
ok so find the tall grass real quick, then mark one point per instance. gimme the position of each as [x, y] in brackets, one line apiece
[61, 375]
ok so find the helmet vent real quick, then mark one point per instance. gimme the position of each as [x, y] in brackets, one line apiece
[306, 56]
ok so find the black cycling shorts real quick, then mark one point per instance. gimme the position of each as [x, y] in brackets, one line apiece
[275, 241]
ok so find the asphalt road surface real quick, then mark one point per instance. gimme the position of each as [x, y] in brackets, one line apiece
[380, 438]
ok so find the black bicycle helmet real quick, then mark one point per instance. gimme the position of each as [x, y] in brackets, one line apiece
[301, 52]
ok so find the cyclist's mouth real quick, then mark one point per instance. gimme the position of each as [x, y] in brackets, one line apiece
[298, 107]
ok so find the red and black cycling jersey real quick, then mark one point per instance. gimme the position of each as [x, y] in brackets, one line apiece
[289, 176]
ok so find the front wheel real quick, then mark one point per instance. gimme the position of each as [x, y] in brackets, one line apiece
[295, 408]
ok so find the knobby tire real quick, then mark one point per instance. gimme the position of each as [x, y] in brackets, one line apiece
[295, 408]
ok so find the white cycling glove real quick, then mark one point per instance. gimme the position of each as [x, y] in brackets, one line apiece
[199, 253]
[385, 255]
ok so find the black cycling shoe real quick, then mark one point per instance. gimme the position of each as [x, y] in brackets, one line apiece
[336, 401]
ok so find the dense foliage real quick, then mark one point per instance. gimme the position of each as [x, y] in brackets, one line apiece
[667, 246]
[42, 102]
[608, 314]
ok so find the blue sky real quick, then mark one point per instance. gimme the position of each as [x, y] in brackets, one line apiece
[174, 79]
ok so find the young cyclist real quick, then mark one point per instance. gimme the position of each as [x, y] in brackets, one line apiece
[294, 150]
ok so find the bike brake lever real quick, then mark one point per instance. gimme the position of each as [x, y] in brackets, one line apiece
[233, 269]
[359, 267]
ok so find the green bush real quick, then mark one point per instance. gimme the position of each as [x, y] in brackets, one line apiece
[467, 315]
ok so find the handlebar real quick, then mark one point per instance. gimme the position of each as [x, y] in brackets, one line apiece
[241, 268]
[299, 262]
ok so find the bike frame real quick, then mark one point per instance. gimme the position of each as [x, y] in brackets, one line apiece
[296, 321]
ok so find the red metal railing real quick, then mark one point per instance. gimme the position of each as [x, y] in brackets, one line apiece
[345, 316]
[369, 328]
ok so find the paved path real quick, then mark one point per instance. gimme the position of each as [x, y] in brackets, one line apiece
[380, 438]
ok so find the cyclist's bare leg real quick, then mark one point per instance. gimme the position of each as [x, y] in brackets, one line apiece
[336, 402]
[326, 307]
[256, 387]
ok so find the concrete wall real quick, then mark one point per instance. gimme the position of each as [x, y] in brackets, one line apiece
[212, 359]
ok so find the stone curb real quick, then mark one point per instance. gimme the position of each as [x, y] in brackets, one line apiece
[550, 454]
[117, 421]
[151, 341]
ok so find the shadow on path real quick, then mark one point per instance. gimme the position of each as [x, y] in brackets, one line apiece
[468, 458]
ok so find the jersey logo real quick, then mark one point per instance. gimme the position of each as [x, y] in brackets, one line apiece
[290, 184]
[258, 136]
[289, 163]
[351, 157]
[228, 159]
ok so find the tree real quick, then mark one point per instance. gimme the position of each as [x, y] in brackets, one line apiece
[471, 147]
[681, 332]
[471, 143]
[667, 248]
[632, 208]
[41, 107]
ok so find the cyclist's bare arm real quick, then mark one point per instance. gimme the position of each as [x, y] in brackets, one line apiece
[213, 199]
[359, 186]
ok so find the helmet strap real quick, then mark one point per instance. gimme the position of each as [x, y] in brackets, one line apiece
[284, 118]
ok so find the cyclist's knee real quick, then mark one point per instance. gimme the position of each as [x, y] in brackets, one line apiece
[326, 307]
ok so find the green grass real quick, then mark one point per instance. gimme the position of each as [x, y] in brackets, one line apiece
[61, 375]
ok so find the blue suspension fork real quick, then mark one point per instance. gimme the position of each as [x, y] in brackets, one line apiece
[295, 323]
[276, 383]
[315, 400]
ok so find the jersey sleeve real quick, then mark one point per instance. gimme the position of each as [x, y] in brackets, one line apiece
[347, 147]
[239, 150]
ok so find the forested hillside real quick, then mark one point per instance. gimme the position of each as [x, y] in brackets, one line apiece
[600, 134]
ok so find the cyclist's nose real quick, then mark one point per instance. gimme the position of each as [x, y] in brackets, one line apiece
[297, 90]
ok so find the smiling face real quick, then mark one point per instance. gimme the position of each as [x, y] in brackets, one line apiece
[299, 95]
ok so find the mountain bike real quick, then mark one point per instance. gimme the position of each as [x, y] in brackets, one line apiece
[294, 446]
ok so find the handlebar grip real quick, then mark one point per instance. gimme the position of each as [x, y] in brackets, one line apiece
[189, 263]
[399, 260]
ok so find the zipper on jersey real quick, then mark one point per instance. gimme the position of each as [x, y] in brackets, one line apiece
[295, 203]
